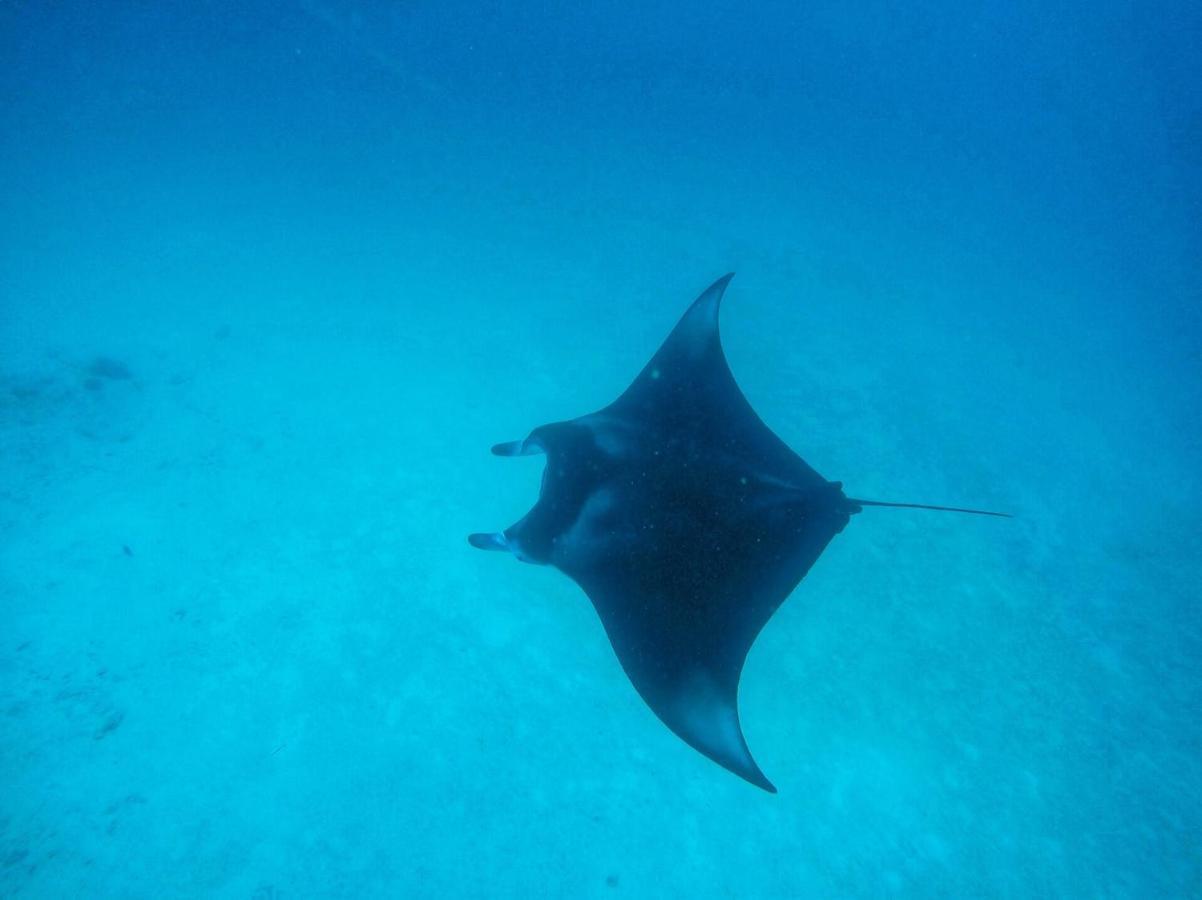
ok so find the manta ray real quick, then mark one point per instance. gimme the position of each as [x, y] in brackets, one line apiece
[687, 523]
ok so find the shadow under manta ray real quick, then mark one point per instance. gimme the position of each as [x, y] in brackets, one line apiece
[687, 522]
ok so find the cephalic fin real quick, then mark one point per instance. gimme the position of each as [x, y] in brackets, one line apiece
[528, 447]
[489, 541]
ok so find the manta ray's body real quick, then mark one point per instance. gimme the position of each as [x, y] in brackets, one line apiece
[687, 522]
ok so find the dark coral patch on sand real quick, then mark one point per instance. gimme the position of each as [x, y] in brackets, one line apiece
[107, 367]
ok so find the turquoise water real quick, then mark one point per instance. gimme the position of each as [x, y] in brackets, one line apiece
[273, 278]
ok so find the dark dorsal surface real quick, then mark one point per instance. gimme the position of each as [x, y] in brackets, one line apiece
[687, 522]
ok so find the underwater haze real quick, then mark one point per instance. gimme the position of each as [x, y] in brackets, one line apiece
[275, 276]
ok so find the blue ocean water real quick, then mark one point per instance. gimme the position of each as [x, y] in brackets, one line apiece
[273, 277]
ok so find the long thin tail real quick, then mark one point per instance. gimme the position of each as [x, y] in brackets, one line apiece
[975, 512]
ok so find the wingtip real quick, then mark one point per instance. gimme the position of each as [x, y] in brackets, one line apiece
[702, 315]
[745, 766]
[719, 286]
[757, 778]
[754, 774]
[703, 712]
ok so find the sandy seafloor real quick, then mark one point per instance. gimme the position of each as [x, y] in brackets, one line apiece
[245, 650]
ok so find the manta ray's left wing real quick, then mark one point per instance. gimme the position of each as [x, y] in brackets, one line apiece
[683, 603]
